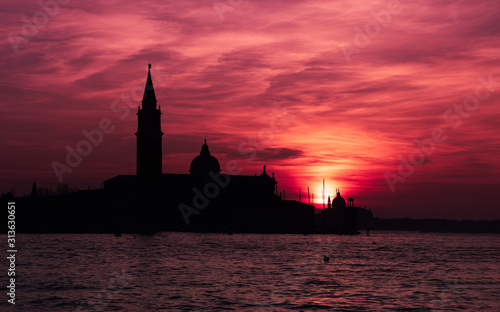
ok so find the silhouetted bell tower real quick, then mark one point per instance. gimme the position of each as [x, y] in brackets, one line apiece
[149, 135]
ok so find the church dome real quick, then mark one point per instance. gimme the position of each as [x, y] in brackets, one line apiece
[204, 163]
[338, 202]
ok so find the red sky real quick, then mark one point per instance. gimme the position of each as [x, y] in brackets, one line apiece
[316, 89]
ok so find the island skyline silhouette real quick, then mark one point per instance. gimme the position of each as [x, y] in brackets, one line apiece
[354, 119]
[206, 199]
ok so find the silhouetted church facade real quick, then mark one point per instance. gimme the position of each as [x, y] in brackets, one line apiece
[203, 200]
[340, 217]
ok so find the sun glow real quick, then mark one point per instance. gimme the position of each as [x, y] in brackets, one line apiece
[316, 193]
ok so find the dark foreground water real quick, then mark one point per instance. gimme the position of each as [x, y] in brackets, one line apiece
[403, 271]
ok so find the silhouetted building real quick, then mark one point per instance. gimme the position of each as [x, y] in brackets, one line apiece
[204, 163]
[34, 190]
[149, 153]
[341, 218]
[350, 218]
[204, 200]
[364, 218]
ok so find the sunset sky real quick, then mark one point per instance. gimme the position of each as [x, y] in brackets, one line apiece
[337, 90]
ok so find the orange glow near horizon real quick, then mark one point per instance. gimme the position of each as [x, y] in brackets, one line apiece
[317, 190]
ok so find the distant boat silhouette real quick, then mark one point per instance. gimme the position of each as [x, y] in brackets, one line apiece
[326, 259]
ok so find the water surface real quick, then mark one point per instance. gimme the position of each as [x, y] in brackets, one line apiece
[389, 271]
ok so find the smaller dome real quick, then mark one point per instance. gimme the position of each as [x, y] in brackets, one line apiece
[204, 163]
[338, 202]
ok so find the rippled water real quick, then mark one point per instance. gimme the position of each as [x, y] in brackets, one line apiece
[403, 271]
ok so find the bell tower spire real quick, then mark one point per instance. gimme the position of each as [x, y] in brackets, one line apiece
[149, 153]
[149, 97]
